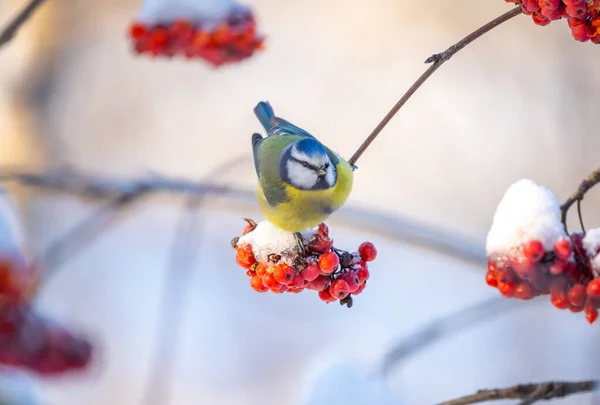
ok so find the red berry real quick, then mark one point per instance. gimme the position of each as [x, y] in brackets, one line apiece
[256, 282]
[352, 279]
[522, 266]
[284, 273]
[325, 296]
[591, 313]
[540, 19]
[507, 289]
[576, 11]
[577, 295]
[505, 274]
[138, 30]
[339, 289]
[320, 244]
[581, 32]
[524, 291]
[328, 262]
[367, 251]
[323, 229]
[593, 288]
[559, 300]
[249, 228]
[261, 269]
[270, 281]
[297, 282]
[533, 250]
[362, 272]
[245, 256]
[490, 279]
[319, 284]
[311, 272]
[360, 288]
[558, 267]
[562, 249]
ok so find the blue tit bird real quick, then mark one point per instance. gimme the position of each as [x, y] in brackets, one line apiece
[300, 181]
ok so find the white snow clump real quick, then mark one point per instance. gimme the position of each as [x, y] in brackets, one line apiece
[198, 11]
[267, 239]
[591, 243]
[526, 212]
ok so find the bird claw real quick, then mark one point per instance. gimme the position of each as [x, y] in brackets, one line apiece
[354, 167]
[300, 242]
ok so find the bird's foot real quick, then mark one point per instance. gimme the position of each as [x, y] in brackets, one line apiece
[300, 242]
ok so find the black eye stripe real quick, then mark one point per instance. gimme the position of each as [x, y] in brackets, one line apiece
[303, 163]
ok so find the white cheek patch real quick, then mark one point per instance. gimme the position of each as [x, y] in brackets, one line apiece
[300, 176]
[330, 177]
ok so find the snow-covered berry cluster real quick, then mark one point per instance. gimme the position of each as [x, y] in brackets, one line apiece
[28, 340]
[530, 254]
[583, 16]
[219, 38]
[275, 262]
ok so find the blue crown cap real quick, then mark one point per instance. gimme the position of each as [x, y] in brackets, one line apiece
[310, 147]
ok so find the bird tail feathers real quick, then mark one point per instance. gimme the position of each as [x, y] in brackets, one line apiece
[264, 112]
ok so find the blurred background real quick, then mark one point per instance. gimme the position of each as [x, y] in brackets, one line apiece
[519, 102]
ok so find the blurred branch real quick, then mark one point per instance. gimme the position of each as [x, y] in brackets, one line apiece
[437, 60]
[527, 393]
[440, 328]
[9, 32]
[181, 263]
[96, 186]
[586, 185]
[84, 233]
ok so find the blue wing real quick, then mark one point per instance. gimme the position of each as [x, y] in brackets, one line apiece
[256, 140]
[275, 125]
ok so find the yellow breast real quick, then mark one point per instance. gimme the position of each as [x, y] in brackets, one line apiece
[308, 208]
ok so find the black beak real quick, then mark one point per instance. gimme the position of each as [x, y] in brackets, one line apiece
[321, 172]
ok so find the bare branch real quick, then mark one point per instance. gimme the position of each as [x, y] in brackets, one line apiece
[528, 393]
[585, 186]
[13, 26]
[438, 60]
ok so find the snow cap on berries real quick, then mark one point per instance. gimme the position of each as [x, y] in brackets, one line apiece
[198, 11]
[591, 244]
[526, 212]
[267, 239]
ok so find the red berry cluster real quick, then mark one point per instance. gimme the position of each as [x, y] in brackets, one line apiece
[232, 41]
[583, 16]
[28, 340]
[565, 273]
[333, 273]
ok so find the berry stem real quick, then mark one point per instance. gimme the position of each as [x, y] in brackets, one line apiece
[528, 393]
[13, 26]
[586, 185]
[436, 60]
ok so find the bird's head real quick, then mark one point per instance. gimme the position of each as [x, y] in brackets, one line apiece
[306, 165]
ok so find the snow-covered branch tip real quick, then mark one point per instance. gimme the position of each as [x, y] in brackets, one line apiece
[9, 32]
[586, 185]
[436, 61]
[527, 393]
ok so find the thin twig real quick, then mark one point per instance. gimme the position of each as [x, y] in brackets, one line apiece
[437, 60]
[528, 393]
[586, 185]
[13, 26]
[440, 328]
